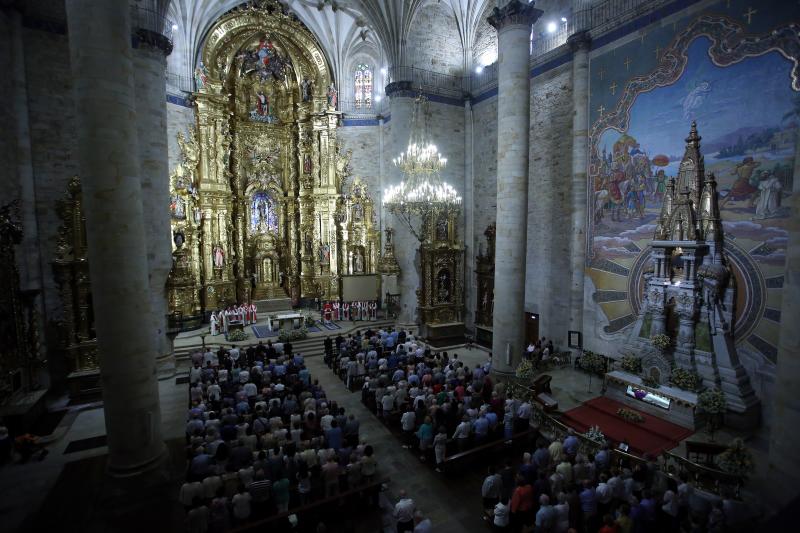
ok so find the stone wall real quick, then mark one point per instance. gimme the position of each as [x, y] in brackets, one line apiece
[52, 131]
[365, 143]
[548, 265]
[433, 42]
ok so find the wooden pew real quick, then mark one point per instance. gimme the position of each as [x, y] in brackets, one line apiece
[311, 513]
[522, 438]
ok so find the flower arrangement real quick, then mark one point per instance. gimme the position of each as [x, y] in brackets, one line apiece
[631, 364]
[685, 379]
[514, 390]
[629, 415]
[650, 381]
[525, 370]
[292, 334]
[592, 362]
[737, 459]
[661, 341]
[595, 434]
[237, 335]
[711, 402]
[308, 320]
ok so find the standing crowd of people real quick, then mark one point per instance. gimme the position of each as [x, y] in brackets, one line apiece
[263, 438]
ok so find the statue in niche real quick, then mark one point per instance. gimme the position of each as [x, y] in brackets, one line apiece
[262, 104]
[219, 257]
[324, 253]
[343, 163]
[443, 286]
[264, 61]
[333, 97]
[358, 262]
[201, 76]
[190, 150]
[309, 245]
[441, 227]
[307, 164]
[306, 88]
[263, 216]
[178, 238]
[177, 207]
[358, 213]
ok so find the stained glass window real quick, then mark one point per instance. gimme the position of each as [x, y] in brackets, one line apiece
[363, 87]
[263, 216]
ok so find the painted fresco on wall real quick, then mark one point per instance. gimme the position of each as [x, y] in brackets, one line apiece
[743, 93]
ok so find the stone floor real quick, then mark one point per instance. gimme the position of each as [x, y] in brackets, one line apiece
[452, 502]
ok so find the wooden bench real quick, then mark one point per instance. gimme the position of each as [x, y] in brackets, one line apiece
[517, 439]
[313, 512]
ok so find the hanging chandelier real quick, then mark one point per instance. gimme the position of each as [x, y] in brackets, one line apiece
[422, 191]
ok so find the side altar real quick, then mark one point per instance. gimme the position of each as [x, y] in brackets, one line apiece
[684, 332]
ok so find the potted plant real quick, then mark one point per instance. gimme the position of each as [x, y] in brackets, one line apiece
[237, 335]
[737, 459]
[711, 404]
[525, 370]
[592, 362]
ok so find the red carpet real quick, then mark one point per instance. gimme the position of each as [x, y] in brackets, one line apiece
[653, 436]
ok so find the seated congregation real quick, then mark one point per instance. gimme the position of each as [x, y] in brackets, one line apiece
[262, 438]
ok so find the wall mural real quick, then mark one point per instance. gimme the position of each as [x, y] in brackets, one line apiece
[741, 86]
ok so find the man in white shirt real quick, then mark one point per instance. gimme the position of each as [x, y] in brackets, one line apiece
[462, 434]
[404, 513]
[234, 354]
[408, 421]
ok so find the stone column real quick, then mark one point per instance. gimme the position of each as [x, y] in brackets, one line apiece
[149, 61]
[401, 103]
[784, 461]
[470, 281]
[102, 66]
[579, 43]
[513, 23]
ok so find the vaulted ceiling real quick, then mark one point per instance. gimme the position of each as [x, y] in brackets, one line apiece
[379, 28]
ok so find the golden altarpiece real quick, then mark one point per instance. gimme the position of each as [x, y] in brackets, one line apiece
[260, 203]
[440, 296]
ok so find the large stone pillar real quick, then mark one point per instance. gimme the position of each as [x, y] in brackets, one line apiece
[406, 245]
[149, 61]
[105, 104]
[784, 439]
[580, 143]
[513, 23]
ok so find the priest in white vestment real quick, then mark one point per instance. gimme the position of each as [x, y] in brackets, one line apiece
[214, 324]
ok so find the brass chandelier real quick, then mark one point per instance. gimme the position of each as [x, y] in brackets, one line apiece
[422, 191]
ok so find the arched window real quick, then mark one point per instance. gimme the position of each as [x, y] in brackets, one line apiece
[363, 86]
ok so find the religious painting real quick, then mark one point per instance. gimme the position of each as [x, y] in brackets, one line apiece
[747, 111]
[264, 61]
[263, 213]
